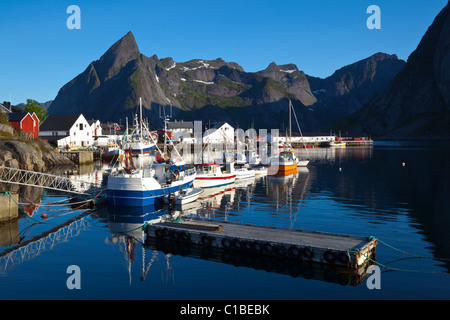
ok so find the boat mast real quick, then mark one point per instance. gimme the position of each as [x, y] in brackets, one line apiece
[290, 122]
[140, 119]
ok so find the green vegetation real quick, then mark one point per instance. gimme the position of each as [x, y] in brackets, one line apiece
[135, 81]
[33, 106]
[3, 118]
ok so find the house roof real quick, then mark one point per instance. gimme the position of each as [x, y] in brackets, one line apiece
[59, 122]
[17, 116]
[180, 125]
[92, 121]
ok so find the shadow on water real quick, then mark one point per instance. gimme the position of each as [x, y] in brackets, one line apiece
[127, 225]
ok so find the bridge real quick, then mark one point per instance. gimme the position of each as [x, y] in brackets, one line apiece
[48, 181]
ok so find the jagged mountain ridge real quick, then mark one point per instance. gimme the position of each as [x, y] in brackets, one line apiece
[207, 90]
[416, 103]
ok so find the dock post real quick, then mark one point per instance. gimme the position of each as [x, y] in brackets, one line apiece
[9, 208]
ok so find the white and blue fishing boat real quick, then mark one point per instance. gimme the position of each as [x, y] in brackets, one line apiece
[140, 141]
[149, 184]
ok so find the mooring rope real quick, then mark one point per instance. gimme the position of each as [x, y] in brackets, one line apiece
[408, 253]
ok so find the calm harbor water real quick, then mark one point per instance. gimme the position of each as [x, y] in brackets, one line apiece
[397, 192]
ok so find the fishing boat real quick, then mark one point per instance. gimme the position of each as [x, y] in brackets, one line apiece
[211, 175]
[183, 196]
[338, 144]
[287, 162]
[302, 163]
[140, 141]
[244, 173]
[137, 187]
[113, 153]
[132, 187]
[260, 170]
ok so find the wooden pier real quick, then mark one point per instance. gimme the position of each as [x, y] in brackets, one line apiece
[332, 249]
[83, 157]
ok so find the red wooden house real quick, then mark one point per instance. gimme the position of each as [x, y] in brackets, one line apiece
[26, 122]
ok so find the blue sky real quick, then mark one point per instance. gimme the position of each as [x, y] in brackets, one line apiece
[40, 54]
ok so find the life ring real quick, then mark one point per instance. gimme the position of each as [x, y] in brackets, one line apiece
[329, 257]
[206, 241]
[343, 258]
[226, 243]
[307, 253]
[280, 250]
[295, 252]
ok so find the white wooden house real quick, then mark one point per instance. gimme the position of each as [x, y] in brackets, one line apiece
[220, 133]
[67, 131]
[96, 127]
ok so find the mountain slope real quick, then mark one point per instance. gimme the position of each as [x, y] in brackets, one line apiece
[216, 90]
[417, 102]
[349, 88]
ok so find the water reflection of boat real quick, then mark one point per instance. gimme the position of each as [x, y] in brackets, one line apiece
[215, 198]
[125, 226]
[135, 215]
[244, 183]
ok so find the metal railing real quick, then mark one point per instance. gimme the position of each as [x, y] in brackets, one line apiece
[44, 180]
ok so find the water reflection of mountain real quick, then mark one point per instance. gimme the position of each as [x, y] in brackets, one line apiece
[393, 181]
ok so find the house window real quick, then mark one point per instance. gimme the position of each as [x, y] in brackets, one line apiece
[81, 126]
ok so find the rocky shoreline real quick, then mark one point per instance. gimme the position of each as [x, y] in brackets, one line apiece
[33, 155]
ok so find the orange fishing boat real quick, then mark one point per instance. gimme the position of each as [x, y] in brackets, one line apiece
[285, 165]
[287, 162]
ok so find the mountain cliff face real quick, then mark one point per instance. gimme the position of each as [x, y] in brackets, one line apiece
[417, 102]
[215, 90]
[350, 87]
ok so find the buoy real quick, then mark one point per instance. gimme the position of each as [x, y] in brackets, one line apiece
[44, 216]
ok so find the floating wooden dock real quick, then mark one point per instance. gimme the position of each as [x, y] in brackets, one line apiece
[325, 248]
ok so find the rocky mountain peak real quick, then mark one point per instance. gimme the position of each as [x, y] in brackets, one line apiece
[417, 101]
[118, 55]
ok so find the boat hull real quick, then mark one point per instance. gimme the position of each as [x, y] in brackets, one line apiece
[210, 182]
[282, 170]
[141, 197]
[139, 151]
[244, 174]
